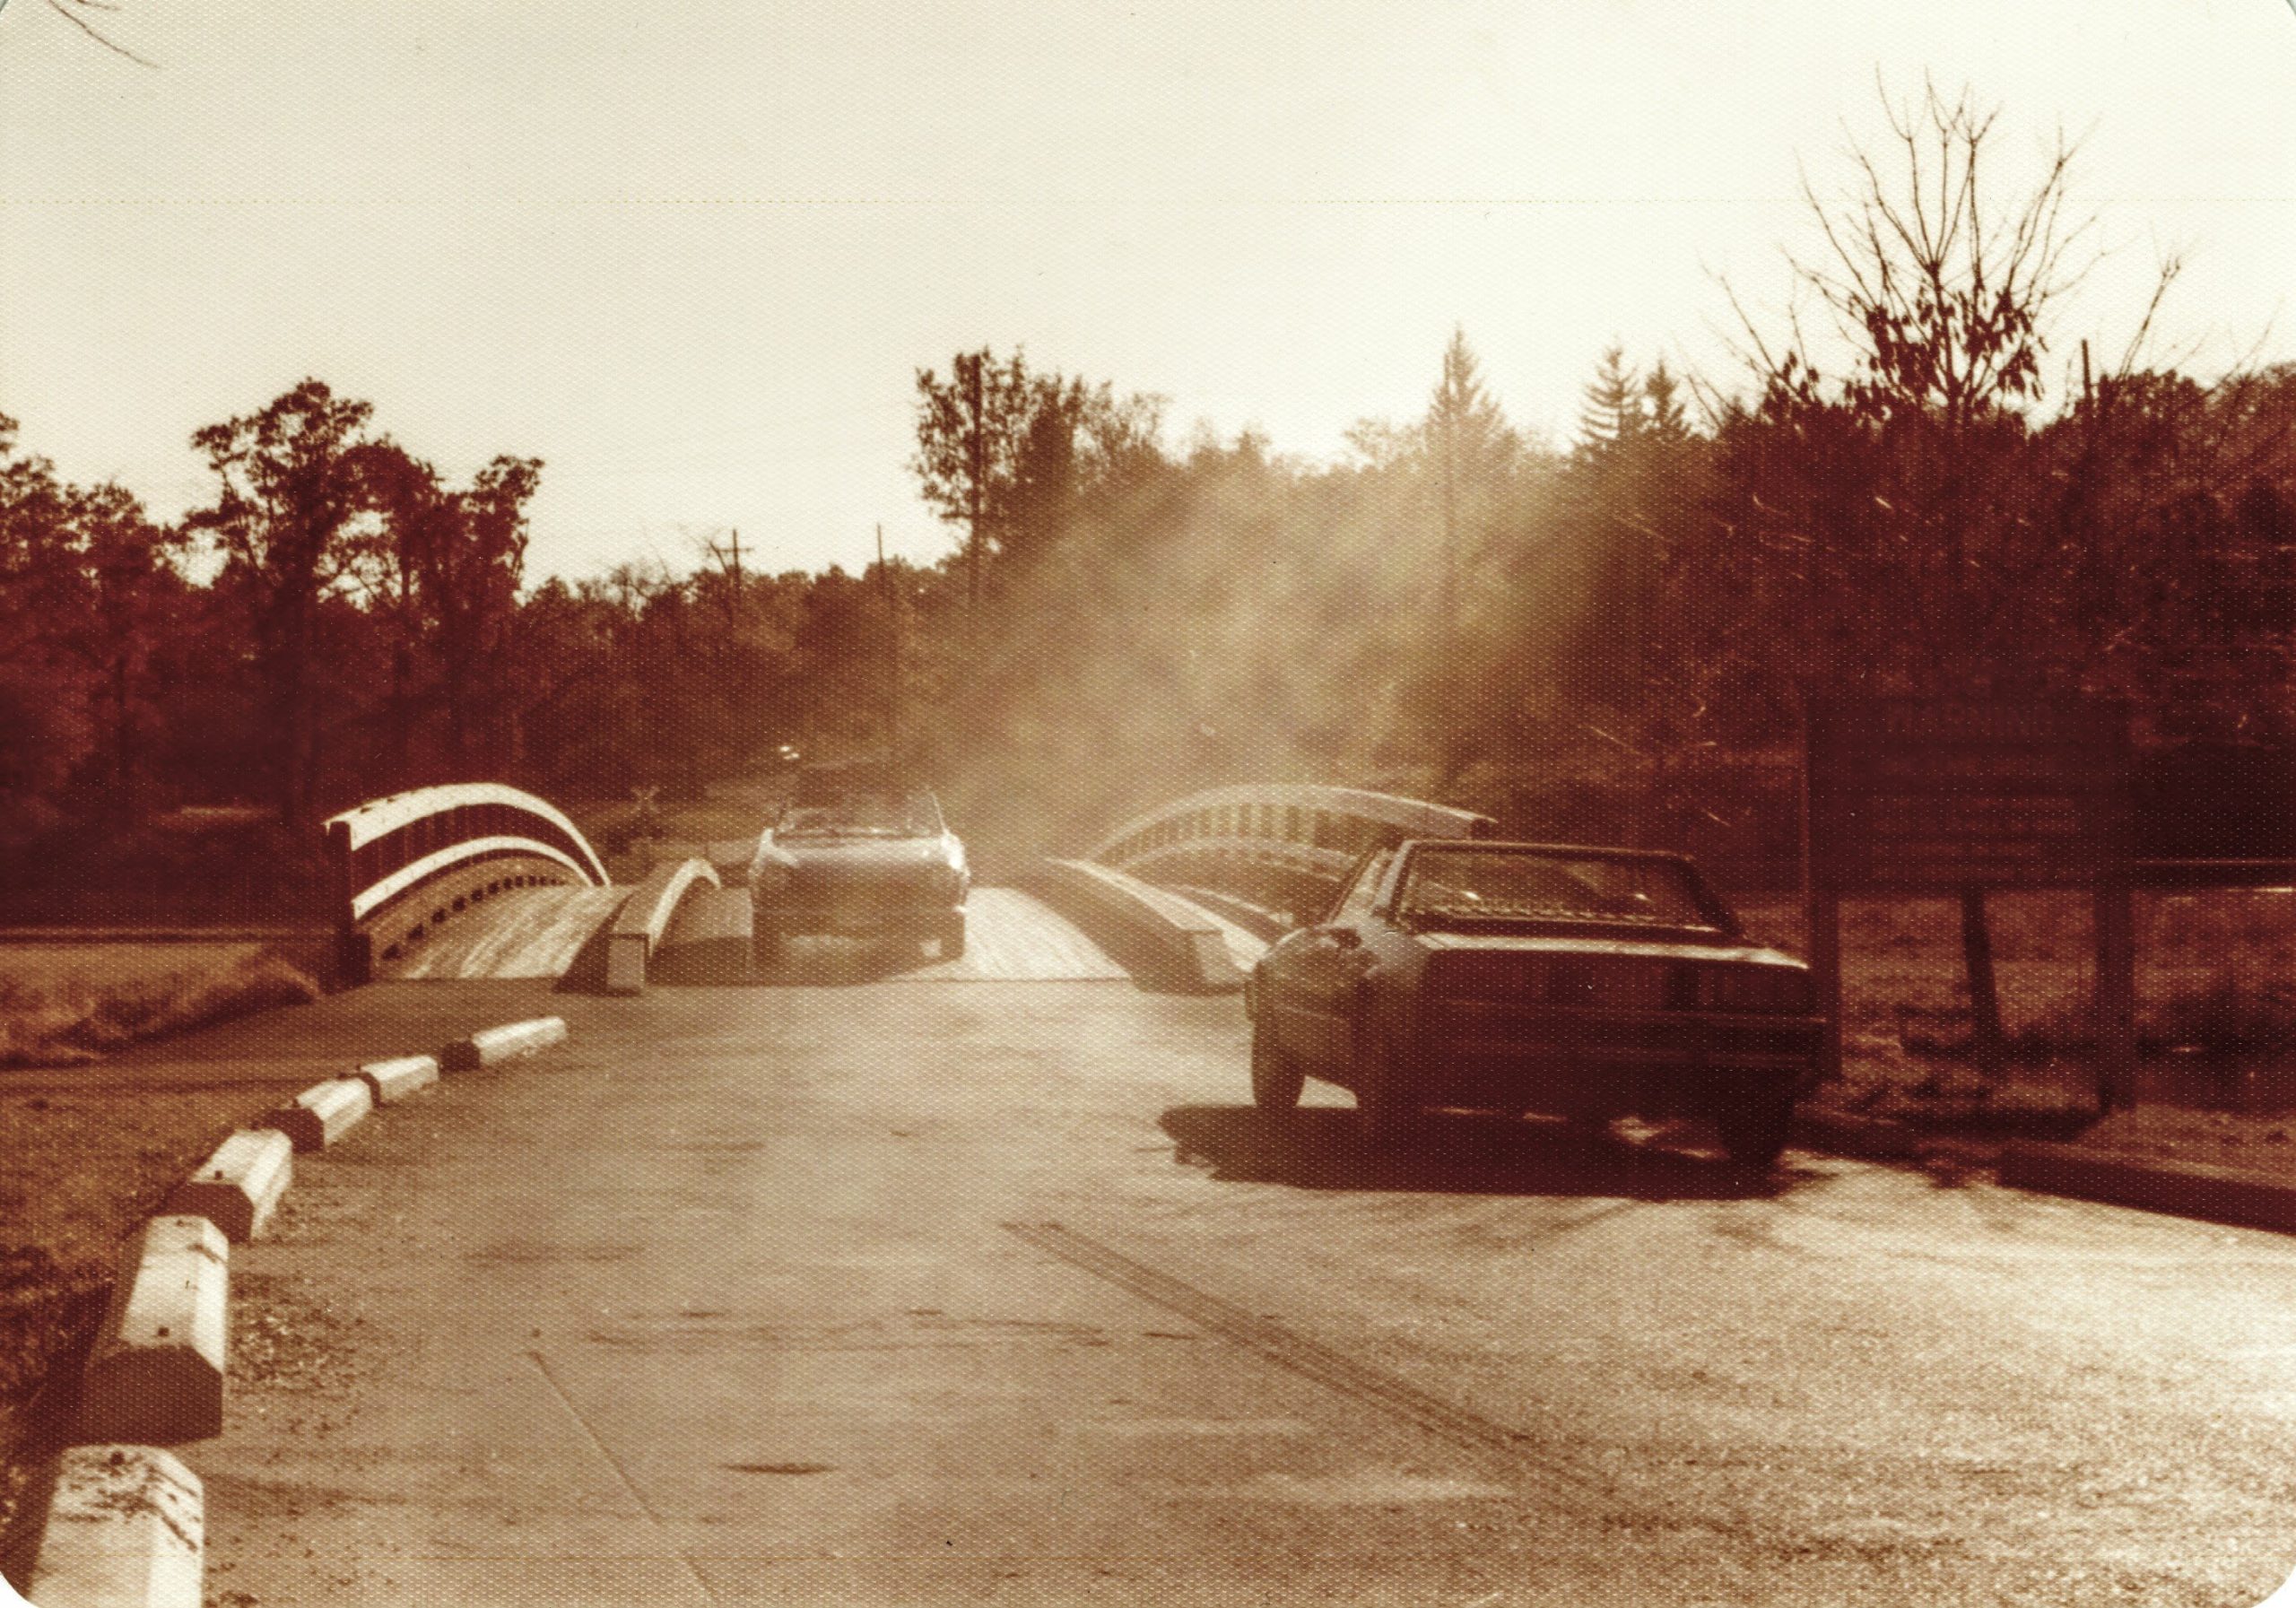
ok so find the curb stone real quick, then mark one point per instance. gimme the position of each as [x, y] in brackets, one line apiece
[325, 1112]
[391, 1080]
[491, 1045]
[156, 1373]
[239, 1187]
[125, 1529]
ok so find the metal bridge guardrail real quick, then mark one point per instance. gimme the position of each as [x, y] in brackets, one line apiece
[389, 848]
[1284, 847]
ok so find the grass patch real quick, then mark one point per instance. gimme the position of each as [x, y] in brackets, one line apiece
[72, 1019]
[2216, 999]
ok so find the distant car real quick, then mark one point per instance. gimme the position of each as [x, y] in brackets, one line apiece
[860, 856]
[1585, 983]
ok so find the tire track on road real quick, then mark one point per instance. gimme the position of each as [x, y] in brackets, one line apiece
[1331, 1368]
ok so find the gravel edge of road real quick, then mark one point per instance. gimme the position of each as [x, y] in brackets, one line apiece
[2195, 1189]
[140, 1553]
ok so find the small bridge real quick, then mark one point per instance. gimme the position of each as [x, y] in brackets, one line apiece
[1276, 852]
[1193, 889]
[404, 865]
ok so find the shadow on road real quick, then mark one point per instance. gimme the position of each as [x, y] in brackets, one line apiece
[840, 962]
[1319, 1148]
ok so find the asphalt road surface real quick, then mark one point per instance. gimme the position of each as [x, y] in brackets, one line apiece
[996, 1291]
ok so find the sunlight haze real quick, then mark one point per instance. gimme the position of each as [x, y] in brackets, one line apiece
[692, 256]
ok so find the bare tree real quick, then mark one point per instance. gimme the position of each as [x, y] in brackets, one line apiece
[1907, 492]
[74, 11]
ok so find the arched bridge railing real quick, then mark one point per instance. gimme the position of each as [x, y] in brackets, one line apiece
[444, 841]
[1283, 848]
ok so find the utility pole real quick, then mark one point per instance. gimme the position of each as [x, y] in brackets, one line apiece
[892, 643]
[976, 454]
[730, 558]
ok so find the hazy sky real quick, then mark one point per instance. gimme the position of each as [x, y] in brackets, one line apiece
[692, 252]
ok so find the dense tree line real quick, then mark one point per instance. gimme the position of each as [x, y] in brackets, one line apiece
[1902, 495]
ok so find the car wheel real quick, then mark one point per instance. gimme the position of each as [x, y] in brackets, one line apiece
[1276, 1077]
[1754, 1135]
[953, 936]
[1385, 1111]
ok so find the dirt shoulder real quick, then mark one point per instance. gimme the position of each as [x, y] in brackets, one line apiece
[87, 1151]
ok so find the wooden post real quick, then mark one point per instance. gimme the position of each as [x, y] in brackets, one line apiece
[1987, 1043]
[2116, 924]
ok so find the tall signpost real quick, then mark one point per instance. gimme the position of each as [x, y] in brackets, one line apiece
[1928, 797]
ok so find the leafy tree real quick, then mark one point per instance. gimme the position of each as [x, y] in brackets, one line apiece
[296, 489]
[1013, 455]
[136, 603]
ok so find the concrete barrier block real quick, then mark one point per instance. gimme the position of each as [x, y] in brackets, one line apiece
[626, 962]
[1183, 944]
[711, 940]
[126, 1528]
[239, 1187]
[325, 1112]
[155, 1375]
[492, 1044]
[394, 1080]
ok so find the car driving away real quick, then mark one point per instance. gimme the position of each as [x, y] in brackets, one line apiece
[1579, 982]
[860, 854]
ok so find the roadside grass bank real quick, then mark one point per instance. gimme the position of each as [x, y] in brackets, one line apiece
[88, 1153]
[68, 1004]
[87, 1148]
[2216, 1023]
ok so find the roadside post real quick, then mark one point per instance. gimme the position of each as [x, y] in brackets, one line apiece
[1925, 797]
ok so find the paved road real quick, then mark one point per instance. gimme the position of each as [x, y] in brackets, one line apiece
[990, 1291]
[545, 932]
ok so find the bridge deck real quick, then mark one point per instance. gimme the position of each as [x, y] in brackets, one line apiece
[538, 931]
[528, 933]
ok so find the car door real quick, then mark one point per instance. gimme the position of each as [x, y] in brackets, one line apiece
[1313, 974]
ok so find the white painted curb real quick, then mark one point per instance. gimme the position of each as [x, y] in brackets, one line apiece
[125, 1529]
[324, 1112]
[155, 1375]
[239, 1187]
[390, 1082]
[493, 1045]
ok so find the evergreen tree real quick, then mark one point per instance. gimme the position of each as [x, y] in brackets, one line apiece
[1612, 415]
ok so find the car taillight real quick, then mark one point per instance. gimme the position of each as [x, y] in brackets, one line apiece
[1759, 990]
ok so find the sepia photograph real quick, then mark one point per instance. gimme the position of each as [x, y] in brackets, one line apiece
[1043, 802]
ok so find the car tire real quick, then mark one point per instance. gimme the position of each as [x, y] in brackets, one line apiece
[1385, 1112]
[1754, 1135]
[1276, 1078]
[952, 935]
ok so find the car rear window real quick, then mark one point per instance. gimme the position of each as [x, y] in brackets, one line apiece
[1470, 883]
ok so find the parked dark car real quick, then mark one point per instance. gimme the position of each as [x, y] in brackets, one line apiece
[859, 856]
[1585, 983]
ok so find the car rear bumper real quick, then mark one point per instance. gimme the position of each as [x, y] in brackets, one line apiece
[857, 918]
[1649, 1062]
